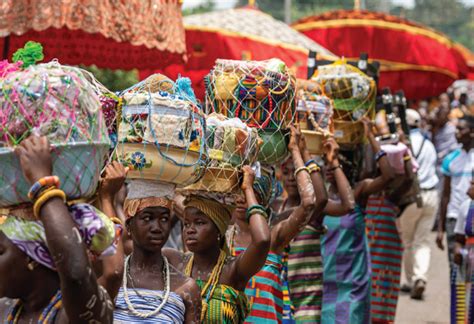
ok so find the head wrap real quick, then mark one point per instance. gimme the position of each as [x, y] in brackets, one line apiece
[147, 193]
[219, 213]
[96, 230]
[395, 154]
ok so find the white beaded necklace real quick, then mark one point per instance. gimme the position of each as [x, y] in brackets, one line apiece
[166, 277]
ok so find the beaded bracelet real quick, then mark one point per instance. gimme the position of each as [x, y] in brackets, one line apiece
[309, 162]
[45, 197]
[255, 209]
[298, 170]
[254, 212]
[49, 181]
[379, 155]
[314, 168]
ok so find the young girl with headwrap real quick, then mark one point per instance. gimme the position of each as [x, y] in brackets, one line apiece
[265, 288]
[221, 277]
[47, 275]
[152, 289]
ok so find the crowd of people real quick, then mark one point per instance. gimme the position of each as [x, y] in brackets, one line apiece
[316, 242]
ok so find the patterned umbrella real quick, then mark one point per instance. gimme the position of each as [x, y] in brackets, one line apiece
[415, 58]
[110, 34]
[243, 33]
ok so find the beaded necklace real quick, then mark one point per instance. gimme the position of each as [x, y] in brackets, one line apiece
[47, 316]
[166, 278]
[210, 286]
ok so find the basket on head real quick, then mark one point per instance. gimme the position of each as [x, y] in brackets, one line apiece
[353, 94]
[261, 94]
[314, 114]
[58, 102]
[161, 133]
[231, 144]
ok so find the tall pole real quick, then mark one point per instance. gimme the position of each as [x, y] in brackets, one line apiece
[288, 11]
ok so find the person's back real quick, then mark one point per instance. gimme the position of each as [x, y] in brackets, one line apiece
[425, 154]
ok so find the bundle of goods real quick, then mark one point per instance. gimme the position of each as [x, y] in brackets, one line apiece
[314, 114]
[231, 144]
[261, 94]
[58, 102]
[161, 132]
[353, 94]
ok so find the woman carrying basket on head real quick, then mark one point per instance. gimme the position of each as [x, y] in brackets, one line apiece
[152, 289]
[52, 280]
[222, 278]
[265, 288]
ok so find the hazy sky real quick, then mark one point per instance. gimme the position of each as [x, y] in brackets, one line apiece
[224, 4]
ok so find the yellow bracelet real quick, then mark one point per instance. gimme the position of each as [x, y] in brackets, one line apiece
[303, 168]
[45, 197]
[313, 167]
[407, 158]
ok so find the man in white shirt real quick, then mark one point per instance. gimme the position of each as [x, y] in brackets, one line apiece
[416, 223]
[457, 168]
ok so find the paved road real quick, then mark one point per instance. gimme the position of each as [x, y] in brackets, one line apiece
[434, 309]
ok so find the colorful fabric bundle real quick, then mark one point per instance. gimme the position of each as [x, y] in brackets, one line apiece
[161, 131]
[95, 228]
[260, 93]
[61, 103]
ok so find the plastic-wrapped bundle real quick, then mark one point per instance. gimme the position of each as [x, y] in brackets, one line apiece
[231, 144]
[260, 93]
[353, 94]
[314, 114]
[60, 103]
[161, 132]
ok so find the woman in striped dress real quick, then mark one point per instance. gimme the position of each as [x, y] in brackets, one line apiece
[346, 291]
[384, 242]
[265, 288]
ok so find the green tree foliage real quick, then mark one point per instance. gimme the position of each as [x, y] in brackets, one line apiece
[114, 80]
[208, 5]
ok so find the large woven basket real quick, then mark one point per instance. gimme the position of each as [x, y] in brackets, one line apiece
[219, 180]
[146, 161]
[348, 132]
[77, 165]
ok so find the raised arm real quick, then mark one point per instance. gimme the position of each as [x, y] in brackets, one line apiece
[368, 187]
[110, 185]
[252, 260]
[82, 298]
[284, 231]
[347, 203]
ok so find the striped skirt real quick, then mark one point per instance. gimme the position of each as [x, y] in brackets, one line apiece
[346, 290]
[305, 274]
[386, 258]
[264, 291]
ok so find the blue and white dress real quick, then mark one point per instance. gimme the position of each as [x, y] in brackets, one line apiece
[145, 300]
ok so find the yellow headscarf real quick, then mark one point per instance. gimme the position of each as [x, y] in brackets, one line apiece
[219, 213]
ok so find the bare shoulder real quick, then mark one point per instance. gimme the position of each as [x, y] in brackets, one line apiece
[175, 257]
[182, 284]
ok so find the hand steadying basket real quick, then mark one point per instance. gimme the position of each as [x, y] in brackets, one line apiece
[261, 94]
[161, 132]
[58, 102]
[314, 114]
[353, 94]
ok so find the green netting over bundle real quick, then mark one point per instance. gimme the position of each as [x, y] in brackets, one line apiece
[61, 103]
[161, 132]
[314, 114]
[353, 94]
[261, 94]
